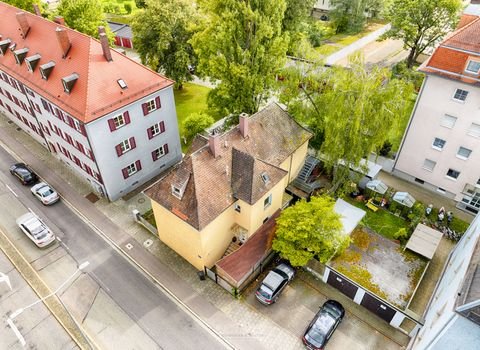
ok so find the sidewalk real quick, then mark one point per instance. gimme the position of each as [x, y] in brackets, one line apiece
[232, 320]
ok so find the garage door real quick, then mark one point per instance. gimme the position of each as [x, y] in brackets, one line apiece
[377, 307]
[342, 284]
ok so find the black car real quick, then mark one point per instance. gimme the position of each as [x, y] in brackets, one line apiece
[323, 325]
[23, 173]
[274, 283]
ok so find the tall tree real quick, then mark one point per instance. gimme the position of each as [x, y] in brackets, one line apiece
[421, 23]
[83, 15]
[161, 37]
[310, 229]
[26, 5]
[348, 15]
[241, 45]
[351, 111]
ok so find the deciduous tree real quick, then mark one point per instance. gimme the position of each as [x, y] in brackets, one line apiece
[310, 229]
[241, 45]
[84, 15]
[26, 5]
[161, 37]
[421, 23]
[196, 123]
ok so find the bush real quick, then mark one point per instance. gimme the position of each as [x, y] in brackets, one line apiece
[386, 148]
[128, 7]
[196, 123]
[318, 31]
[401, 71]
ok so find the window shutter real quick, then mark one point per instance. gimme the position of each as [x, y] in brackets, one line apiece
[44, 103]
[149, 133]
[157, 102]
[138, 165]
[70, 121]
[162, 126]
[165, 148]
[125, 173]
[84, 132]
[154, 155]
[80, 147]
[111, 124]
[145, 109]
[118, 148]
[132, 142]
[126, 117]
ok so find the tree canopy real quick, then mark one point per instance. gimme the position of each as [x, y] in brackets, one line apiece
[26, 5]
[241, 45]
[421, 23]
[161, 37]
[196, 123]
[83, 15]
[310, 229]
[352, 111]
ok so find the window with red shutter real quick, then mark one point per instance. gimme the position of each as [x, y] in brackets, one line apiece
[154, 155]
[138, 165]
[165, 148]
[157, 102]
[118, 148]
[126, 117]
[132, 143]
[162, 127]
[80, 147]
[144, 108]
[83, 131]
[125, 173]
[150, 133]
[111, 124]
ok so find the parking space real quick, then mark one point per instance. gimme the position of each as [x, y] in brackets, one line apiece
[298, 304]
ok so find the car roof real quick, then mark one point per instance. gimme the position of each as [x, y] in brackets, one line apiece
[273, 280]
[324, 321]
[286, 269]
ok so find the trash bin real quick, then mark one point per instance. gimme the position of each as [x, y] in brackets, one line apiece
[201, 275]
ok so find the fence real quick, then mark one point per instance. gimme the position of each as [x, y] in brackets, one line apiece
[141, 220]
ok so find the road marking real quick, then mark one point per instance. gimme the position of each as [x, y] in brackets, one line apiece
[11, 190]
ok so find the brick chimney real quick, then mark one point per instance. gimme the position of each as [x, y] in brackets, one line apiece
[22, 21]
[63, 40]
[214, 143]
[243, 124]
[36, 10]
[60, 20]
[101, 29]
[105, 46]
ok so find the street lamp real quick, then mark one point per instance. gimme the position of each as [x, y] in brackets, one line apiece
[22, 309]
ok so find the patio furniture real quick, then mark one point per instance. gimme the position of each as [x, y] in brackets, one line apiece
[371, 206]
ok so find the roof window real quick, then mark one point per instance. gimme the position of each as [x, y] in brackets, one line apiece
[12, 46]
[20, 55]
[46, 69]
[4, 44]
[69, 81]
[32, 61]
[473, 67]
[122, 83]
[265, 178]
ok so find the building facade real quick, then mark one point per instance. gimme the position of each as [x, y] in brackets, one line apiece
[441, 146]
[113, 121]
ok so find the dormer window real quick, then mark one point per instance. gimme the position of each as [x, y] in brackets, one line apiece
[4, 44]
[69, 81]
[265, 178]
[46, 69]
[178, 189]
[12, 46]
[32, 62]
[20, 55]
[473, 67]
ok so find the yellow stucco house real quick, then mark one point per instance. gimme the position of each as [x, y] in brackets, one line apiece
[228, 185]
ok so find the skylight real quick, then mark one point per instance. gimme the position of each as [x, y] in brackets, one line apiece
[122, 83]
[265, 178]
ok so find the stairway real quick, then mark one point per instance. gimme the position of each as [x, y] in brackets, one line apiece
[307, 169]
[231, 248]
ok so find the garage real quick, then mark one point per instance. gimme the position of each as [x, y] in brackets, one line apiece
[342, 284]
[379, 308]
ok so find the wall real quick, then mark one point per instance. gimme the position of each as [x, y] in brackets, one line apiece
[294, 163]
[436, 100]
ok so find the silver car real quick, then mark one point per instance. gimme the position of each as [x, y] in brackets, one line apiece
[45, 193]
[35, 229]
[274, 283]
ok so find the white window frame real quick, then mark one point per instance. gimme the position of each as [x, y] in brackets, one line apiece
[77, 125]
[119, 121]
[267, 201]
[451, 177]
[131, 169]
[159, 152]
[472, 71]
[431, 162]
[238, 208]
[449, 118]
[155, 128]
[461, 156]
[460, 91]
[438, 148]
[475, 133]
[151, 106]
[125, 146]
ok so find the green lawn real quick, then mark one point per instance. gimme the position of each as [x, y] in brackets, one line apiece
[381, 221]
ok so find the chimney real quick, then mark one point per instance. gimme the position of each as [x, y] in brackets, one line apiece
[36, 10]
[101, 29]
[60, 20]
[214, 143]
[243, 118]
[105, 46]
[63, 40]
[22, 21]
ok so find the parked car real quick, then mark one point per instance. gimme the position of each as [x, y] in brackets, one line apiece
[23, 173]
[45, 193]
[35, 229]
[321, 328]
[274, 283]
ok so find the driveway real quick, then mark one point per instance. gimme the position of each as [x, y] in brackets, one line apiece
[298, 304]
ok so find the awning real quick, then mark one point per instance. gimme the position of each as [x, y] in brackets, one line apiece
[377, 186]
[404, 198]
[350, 215]
[424, 241]
[366, 167]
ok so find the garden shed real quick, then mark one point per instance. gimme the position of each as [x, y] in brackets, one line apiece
[404, 198]
[424, 241]
[377, 186]
[350, 215]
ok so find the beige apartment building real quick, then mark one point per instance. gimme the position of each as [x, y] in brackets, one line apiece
[441, 146]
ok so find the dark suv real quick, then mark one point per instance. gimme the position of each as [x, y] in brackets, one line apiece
[273, 284]
[323, 325]
[23, 173]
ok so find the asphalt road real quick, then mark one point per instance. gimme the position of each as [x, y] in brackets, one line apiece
[166, 323]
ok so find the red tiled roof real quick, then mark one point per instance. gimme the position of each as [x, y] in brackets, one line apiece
[465, 19]
[96, 92]
[239, 264]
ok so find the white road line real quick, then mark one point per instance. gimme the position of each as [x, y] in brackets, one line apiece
[11, 190]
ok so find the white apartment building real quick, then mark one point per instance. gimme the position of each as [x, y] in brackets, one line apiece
[112, 120]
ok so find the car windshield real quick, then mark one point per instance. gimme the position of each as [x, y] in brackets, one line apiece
[23, 171]
[321, 328]
[37, 229]
[45, 191]
[265, 291]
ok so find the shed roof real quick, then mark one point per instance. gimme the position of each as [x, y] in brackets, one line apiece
[350, 215]
[424, 241]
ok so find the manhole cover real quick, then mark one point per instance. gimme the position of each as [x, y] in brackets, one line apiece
[141, 200]
[92, 197]
[147, 243]
[128, 246]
